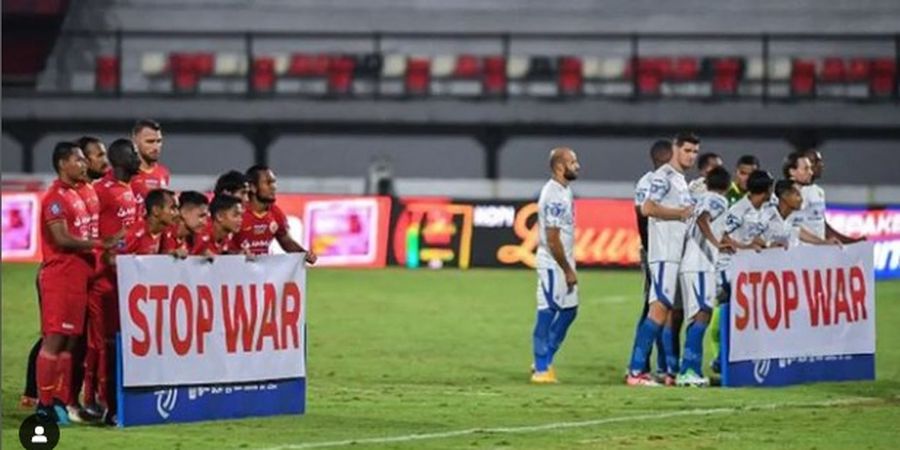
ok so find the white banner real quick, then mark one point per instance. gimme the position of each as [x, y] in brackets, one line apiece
[803, 302]
[231, 320]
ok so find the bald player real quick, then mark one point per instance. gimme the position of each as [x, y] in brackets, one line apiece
[557, 290]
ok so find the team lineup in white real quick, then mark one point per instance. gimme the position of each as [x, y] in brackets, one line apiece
[689, 232]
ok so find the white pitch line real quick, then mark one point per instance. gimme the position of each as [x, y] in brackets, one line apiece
[564, 425]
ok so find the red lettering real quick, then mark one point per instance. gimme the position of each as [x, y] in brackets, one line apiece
[159, 293]
[790, 295]
[290, 317]
[269, 326]
[755, 278]
[204, 315]
[770, 284]
[858, 292]
[841, 305]
[743, 316]
[139, 294]
[181, 295]
[816, 298]
[237, 320]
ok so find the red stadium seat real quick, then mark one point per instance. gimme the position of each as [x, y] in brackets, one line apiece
[418, 76]
[833, 71]
[571, 79]
[494, 82]
[803, 77]
[859, 70]
[263, 78]
[726, 72]
[204, 64]
[685, 69]
[650, 73]
[107, 73]
[305, 65]
[184, 73]
[467, 66]
[884, 77]
[340, 75]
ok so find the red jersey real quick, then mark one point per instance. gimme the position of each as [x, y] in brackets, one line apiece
[92, 203]
[258, 230]
[145, 181]
[171, 241]
[205, 240]
[118, 209]
[139, 240]
[62, 203]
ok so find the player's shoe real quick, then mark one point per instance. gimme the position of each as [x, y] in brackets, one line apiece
[549, 369]
[93, 410]
[691, 378]
[547, 377]
[27, 402]
[77, 414]
[640, 379]
[47, 413]
[109, 419]
[715, 366]
[62, 413]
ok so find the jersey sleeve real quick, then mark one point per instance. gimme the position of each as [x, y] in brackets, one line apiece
[54, 208]
[714, 205]
[659, 187]
[202, 243]
[733, 220]
[555, 208]
[281, 221]
[641, 190]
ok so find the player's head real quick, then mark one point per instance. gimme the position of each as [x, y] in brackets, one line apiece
[69, 162]
[263, 183]
[661, 152]
[147, 136]
[564, 162]
[788, 193]
[797, 167]
[162, 205]
[95, 153]
[123, 156]
[227, 211]
[707, 162]
[193, 209]
[760, 183]
[717, 180]
[818, 164]
[685, 147]
[234, 184]
[745, 166]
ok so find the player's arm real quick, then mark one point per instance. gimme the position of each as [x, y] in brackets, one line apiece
[289, 245]
[554, 242]
[810, 238]
[705, 228]
[652, 207]
[831, 233]
[62, 238]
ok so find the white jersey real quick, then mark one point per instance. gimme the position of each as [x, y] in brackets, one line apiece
[642, 189]
[668, 188]
[744, 223]
[812, 214]
[782, 230]
[556, 210]
[700, 255]
[697, 186]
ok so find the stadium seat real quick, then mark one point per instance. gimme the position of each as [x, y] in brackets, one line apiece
[517, 67]
[725, 76]
[570, 77]
[393, 72]
[650, 73]
[263, 79]
[308, 66]
[832, 78]
[106, 76]
[859, 71]
[185, 78]
[282, 63]
[366, 73]
[467, 67]
[153, 64]
[541, 78]
[418, 76]
[230, 65]
[591, 67]
[340, 75]
[442, 66]
[494, 82]
[685, 69]
[803, 78]
[204, 64]
[883, 79]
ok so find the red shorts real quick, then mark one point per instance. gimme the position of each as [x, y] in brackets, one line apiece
[105, 303]
[64, 298]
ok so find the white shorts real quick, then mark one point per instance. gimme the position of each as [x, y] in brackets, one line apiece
[552, 291]
[664, 284]
[698, 289]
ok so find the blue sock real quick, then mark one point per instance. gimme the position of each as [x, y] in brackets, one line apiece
[660, 355]
[693, 348]
[643, 343]
[558, 329]
[541, 339]
[668, 341]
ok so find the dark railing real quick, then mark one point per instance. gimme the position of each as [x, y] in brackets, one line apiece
[73, 58]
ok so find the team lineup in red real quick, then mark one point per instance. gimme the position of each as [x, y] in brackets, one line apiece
[115, 201]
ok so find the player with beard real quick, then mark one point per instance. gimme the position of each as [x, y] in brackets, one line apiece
[147, 137]
[263, 220]
[813, 210]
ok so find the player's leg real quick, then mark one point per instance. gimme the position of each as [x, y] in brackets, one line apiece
[660, 352]
[698, 291]
[56, 326]
[95, 346]
[661, 294]
[568, 310]
[671, 337]
[546, 312]
[29, 397]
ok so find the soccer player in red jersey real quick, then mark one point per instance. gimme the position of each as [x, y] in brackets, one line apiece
[118, 209]
[147, 137]
[63, 281]
[193, 215]
[264, 220]
[145, 237]
[216, 238]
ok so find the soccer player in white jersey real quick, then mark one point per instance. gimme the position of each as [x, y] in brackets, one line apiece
[782, 230]
[814, 203]
[660, 153]
[698, 272]
[705, 163]
[669, 206]
[557, 290]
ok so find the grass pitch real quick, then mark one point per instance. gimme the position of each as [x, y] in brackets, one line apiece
[439, 359]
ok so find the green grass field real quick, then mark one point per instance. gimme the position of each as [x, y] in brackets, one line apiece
[439, 359]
